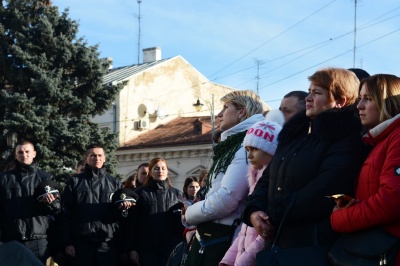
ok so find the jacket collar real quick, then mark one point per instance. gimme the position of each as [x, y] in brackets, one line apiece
[94, 172]
[25, 168]
[159, 184]
[253, 176]
[242, 126]
[381, 131]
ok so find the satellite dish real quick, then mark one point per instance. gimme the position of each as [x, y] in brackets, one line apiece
[151, 109]
[161, 113]
[142, 110]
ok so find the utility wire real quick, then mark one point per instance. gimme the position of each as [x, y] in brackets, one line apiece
[318, 45]
[273, 38]
[376, 39]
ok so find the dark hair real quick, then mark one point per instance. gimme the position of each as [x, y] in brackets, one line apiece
[188, 181]
[128, 181]
[93, 146]
[81, 163]
[78, 165]
[143, 164]
[152, 163]
[360, 73]
[301, 98]
[299, 94]
[24, 142]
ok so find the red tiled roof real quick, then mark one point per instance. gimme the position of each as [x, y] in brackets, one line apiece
[178, 132]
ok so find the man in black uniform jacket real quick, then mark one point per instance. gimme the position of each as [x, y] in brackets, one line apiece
[27, 196]
[90, 220]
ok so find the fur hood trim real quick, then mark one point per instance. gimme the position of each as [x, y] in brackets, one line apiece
[253, 176]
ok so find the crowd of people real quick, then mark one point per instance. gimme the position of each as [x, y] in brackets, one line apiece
[267, 186]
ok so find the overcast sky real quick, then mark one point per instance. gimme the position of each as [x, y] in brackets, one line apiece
[224, 40]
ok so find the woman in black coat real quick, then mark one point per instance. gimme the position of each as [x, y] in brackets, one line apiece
[154, 224]
[319, 153]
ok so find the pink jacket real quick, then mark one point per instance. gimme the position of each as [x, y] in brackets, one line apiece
[248, 243]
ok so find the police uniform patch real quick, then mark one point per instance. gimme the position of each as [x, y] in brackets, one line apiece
[397, 171]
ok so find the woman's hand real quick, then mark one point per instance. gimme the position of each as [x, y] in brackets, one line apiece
[344, 204]
[261, 223]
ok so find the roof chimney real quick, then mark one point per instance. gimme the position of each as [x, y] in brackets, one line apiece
[151, 54]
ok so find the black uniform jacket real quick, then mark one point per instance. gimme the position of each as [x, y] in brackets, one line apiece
[156, 219]
[22, 216]
[314, 158]
[88, 215]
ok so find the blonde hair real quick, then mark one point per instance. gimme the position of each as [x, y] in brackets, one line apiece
[340, 83]
[384, 89]
[247, 100]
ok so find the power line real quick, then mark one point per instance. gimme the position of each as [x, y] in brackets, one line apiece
[273, 38]
[321, 44]
[355, 32]
[376, 39]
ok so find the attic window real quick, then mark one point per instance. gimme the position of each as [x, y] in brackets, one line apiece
[198, 127]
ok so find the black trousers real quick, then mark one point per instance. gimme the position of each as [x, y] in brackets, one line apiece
[38, 247]
[94, 253]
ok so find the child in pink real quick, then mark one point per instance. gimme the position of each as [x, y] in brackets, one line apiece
[260, 143]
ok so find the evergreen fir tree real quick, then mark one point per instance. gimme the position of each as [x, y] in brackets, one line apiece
[51, 85]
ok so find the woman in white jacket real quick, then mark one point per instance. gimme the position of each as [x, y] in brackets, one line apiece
[227, 185]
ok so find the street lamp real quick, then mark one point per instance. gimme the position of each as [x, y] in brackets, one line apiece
[198, 105]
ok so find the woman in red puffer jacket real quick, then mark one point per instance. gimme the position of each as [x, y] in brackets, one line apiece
[377, 202]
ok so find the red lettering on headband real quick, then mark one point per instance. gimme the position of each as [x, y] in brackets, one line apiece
[250, 131]
[270, 137]
[258, 132]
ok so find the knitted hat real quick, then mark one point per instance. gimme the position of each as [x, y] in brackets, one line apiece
[263, 135]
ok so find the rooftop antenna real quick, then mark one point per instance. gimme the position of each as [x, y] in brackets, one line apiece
[258, 62]
[355, 31]
[138, 48]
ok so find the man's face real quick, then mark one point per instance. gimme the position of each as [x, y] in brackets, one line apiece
[289, 107]
[25, 153]
[96, 158]
[142, 173]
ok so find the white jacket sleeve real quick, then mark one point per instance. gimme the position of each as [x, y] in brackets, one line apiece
[227, 192]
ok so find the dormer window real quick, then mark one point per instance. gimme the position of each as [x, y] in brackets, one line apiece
[198, 127]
